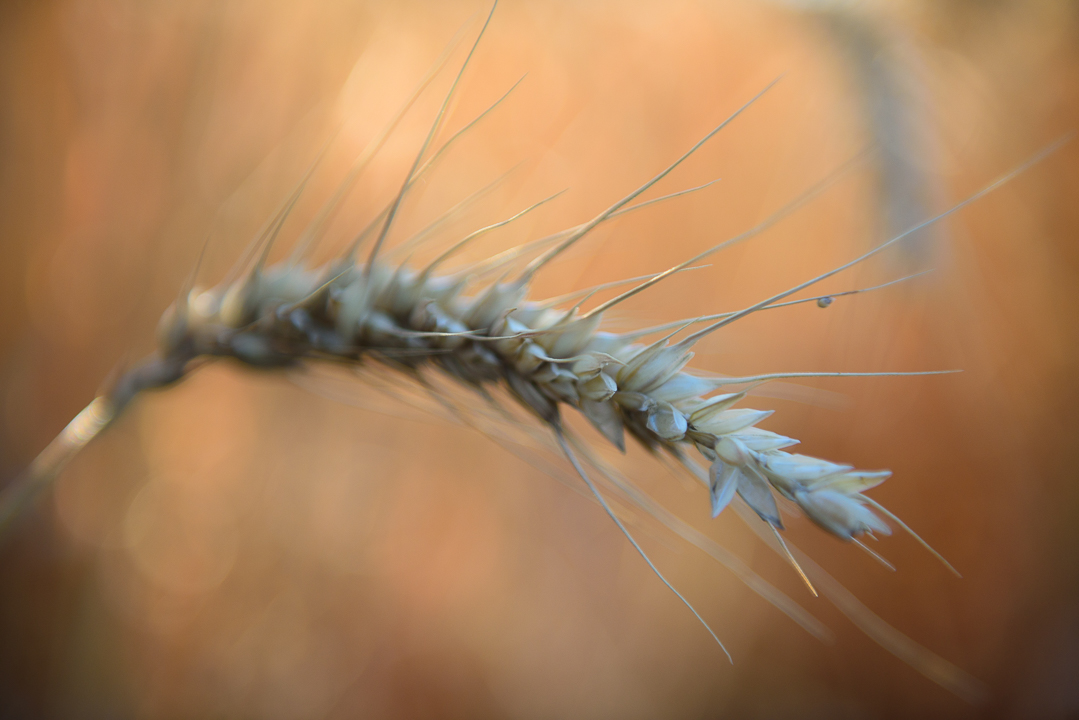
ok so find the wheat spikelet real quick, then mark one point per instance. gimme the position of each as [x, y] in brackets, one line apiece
[552, 358]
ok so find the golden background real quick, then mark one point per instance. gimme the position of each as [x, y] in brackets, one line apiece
[239, 547]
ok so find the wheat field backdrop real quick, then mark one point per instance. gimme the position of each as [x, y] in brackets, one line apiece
[238, 546]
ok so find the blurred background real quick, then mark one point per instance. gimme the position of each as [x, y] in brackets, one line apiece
[238, 546]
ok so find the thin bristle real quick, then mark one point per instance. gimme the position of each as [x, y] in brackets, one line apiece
[607, 508]
[1038, 157]
[643, 332]
[780, 214]
[388, 223]
[535, 266]
[483, 231]
[314, 231]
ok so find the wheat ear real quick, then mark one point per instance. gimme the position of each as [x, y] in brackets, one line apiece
[412, 321]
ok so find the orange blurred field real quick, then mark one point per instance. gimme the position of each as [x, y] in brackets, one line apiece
[240, 547]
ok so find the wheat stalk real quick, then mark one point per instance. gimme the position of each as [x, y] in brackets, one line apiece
[551, 358]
